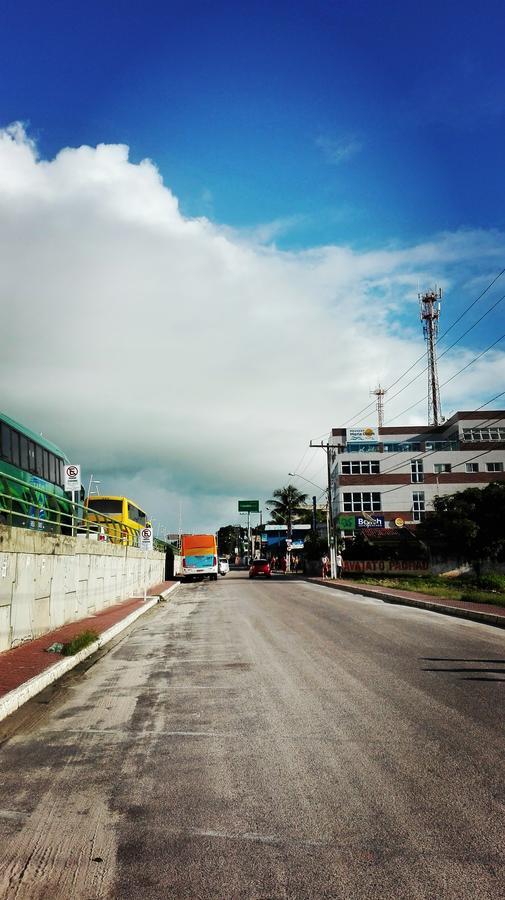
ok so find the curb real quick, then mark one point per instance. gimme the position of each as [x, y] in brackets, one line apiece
[10, 702]
[457, 611]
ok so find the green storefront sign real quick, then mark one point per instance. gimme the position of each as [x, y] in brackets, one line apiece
[347, 523]
[249, 506]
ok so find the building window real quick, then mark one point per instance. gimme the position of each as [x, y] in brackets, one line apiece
[441, 445]
[362, 502]
[484, 434]
[472, 467]
[361, 448]
[494, 467]
[440, 468]
[406, 447]
[361, 467]
[416, 468]
[418, 509]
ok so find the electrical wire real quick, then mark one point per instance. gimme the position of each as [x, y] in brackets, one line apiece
[442, 336]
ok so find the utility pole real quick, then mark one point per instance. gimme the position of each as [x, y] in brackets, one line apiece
[331, 524]
[429, 303]
[379, 392]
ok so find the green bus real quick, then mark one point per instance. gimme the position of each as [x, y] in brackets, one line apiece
[32, 480]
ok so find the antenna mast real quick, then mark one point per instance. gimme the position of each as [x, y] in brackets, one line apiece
[430, 313]
[379, 392]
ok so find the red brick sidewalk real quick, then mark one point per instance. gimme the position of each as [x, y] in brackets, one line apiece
[478, 611]
[30, 659]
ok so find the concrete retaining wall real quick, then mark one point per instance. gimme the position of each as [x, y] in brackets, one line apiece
[49, 580]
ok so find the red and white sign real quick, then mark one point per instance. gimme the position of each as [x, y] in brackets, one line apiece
[72, 477]
[146, 538]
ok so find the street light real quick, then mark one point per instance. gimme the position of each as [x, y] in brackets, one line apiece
[296, 475]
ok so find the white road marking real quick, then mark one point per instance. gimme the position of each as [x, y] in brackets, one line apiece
[253, 836]
[142, 734]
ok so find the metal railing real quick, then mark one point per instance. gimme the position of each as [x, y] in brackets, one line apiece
[32, 506]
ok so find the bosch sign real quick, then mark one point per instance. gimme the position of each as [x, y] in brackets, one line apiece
[371, 522]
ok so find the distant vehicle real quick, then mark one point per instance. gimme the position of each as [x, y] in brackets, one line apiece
[223, 566]
[199, 556]
[259, 567]
[32, 480]
[121, 517]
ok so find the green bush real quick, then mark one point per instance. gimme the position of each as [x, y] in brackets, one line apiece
[84, 639]
[492, 582]
[482, 597]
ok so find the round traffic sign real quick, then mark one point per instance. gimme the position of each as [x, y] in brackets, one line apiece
[72, 471]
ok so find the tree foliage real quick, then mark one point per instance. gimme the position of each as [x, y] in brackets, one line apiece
[469, 525]
[228, 537]
[287, 505]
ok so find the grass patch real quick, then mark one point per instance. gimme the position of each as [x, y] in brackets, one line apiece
[486, 589]
[84, 639]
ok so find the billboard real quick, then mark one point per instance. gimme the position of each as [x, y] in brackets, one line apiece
[367, 435]
[249, 506]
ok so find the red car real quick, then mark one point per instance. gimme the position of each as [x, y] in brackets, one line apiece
[259, 567]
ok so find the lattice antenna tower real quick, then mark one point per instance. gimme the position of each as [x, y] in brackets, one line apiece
[380, 392]
[430, 313]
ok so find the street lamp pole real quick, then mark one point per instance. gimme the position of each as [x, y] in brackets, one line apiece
[329, 515]
[331, 523]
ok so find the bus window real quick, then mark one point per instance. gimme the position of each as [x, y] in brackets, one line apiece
[52, 469]
[45, 455]
[60, 472]
[15, 448]
[105, 506]
[6, 442]
[31, 457]
[39, 461]
[23, 452]
[141, 517]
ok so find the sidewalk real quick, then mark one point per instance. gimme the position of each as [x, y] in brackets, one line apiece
[477, 612]
[29, 668]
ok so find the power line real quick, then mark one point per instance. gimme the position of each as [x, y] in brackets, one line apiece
[475, 358]
[442, 336]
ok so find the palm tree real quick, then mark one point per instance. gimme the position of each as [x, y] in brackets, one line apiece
[287, 504]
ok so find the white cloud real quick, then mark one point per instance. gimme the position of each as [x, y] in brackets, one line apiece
[179, 360]
[339, 150]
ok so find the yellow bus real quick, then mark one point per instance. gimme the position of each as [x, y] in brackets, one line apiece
[108, 510]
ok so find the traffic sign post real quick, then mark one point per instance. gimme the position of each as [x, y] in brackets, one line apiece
[73, 486]
[249, 506]
[146, 544]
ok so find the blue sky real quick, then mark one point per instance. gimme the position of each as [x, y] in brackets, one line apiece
[312, 164]
[350, 122]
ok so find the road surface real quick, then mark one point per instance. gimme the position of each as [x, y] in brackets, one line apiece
[266, 739]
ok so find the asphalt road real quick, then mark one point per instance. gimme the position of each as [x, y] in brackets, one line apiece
[263, 740]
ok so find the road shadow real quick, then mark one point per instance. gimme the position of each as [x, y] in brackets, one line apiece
[484, 668]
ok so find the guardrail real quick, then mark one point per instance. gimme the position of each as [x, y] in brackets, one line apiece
[33, 506]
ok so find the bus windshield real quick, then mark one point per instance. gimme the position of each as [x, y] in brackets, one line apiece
[106, 507]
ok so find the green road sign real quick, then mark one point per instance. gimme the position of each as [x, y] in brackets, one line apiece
[249, 506]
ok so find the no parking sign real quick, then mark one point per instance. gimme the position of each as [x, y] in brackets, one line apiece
[72, 478]
[146, 538]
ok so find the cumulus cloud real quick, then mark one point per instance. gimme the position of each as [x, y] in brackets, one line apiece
[181, 362]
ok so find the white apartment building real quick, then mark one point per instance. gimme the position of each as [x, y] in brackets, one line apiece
[388, 477]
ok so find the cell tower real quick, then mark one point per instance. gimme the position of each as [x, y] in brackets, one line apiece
[430, 314]
[379, 392]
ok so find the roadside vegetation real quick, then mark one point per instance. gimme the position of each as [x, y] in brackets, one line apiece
[81, 640]
[476, 589]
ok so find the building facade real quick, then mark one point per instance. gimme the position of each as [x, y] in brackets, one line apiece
[388, 477]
